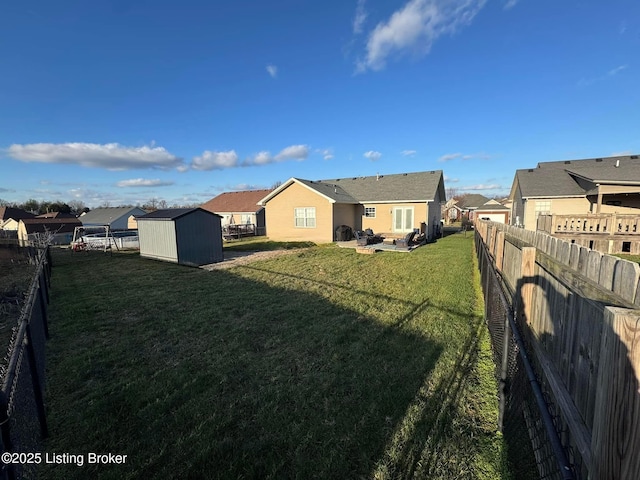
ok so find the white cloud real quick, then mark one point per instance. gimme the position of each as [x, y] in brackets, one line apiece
[210, 160]
[360, 17]
[617, 70]
[622, 153]
[111, 156]
[143, 182]
[482, 186]
[414, 28]
[408, 153]
[455, 156]
[272, 70]
[326, 153]
[261, 158]
[294, 152]
[451, 180]
[611, 73]
[510, 4]
[449, 156]
[373, 156]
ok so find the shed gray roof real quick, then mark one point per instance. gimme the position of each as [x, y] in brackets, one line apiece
[173, 213]
[106, 216]
[558, 179]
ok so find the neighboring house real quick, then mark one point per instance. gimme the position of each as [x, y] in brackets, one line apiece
[390, 205]
[10, 217]
[60, 229]
[451, 211]
[188, 236]
[56, 215]
[117, 218]
[239, 208]
[591, 186]
[468, 204]
[493, 211]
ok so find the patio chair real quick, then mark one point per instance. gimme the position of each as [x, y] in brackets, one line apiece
[407, 241]
[367, 237]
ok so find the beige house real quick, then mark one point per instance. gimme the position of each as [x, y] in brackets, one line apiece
[390, 205]
[576, 187]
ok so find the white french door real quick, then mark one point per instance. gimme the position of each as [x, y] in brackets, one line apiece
[402, 219]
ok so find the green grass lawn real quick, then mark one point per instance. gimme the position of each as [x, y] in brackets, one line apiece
[631, 258]
[263, 244]
[323, 363]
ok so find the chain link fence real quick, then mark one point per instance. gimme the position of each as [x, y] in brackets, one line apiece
[530, 430]
[22, 414]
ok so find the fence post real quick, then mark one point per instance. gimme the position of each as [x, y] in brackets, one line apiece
[528, 270]
[615, 441]
[499, 250]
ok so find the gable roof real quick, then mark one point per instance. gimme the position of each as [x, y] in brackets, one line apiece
[56, 215]
[108, 215]
[53, 225]
[236, 202]
[173, 213]
[560, 178]
[472, 200]
[14, 213]
[402, 187]
[497, 207]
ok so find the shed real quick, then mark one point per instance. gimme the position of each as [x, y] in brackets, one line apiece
[117, 218]
[188, 236]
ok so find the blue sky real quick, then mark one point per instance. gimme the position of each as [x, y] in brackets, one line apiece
[113, 102]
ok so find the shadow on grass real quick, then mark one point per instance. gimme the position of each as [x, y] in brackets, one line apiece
[198, 374]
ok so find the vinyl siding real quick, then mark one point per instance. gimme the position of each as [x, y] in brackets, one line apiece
[347, 214]
[383, 222]
[279, 216]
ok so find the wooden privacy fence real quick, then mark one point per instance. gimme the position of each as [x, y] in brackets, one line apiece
[22, 412]
[581, 315]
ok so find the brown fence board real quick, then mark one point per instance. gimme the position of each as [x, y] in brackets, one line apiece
[581, 307]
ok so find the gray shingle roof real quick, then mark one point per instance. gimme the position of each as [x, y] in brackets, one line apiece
[106, 216]
[419, 186]
[558, 179]
[472, 200]
[172, 213]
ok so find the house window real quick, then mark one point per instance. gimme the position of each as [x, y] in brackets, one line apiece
[305, 217]
[543, 207]
[370, 212]
[246, 218]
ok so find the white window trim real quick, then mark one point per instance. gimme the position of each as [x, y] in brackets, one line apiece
[306, 218]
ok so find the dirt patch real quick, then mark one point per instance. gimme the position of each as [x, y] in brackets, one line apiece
[233, 259]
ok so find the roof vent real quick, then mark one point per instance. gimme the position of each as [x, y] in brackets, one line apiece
[530, 170]
[635, 157]
[617, 163]
[567, 162]
[598, 159]
[404, 174]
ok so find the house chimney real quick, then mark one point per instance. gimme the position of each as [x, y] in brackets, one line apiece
[617, 163]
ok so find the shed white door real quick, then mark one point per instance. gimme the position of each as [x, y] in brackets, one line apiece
[402, 219]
